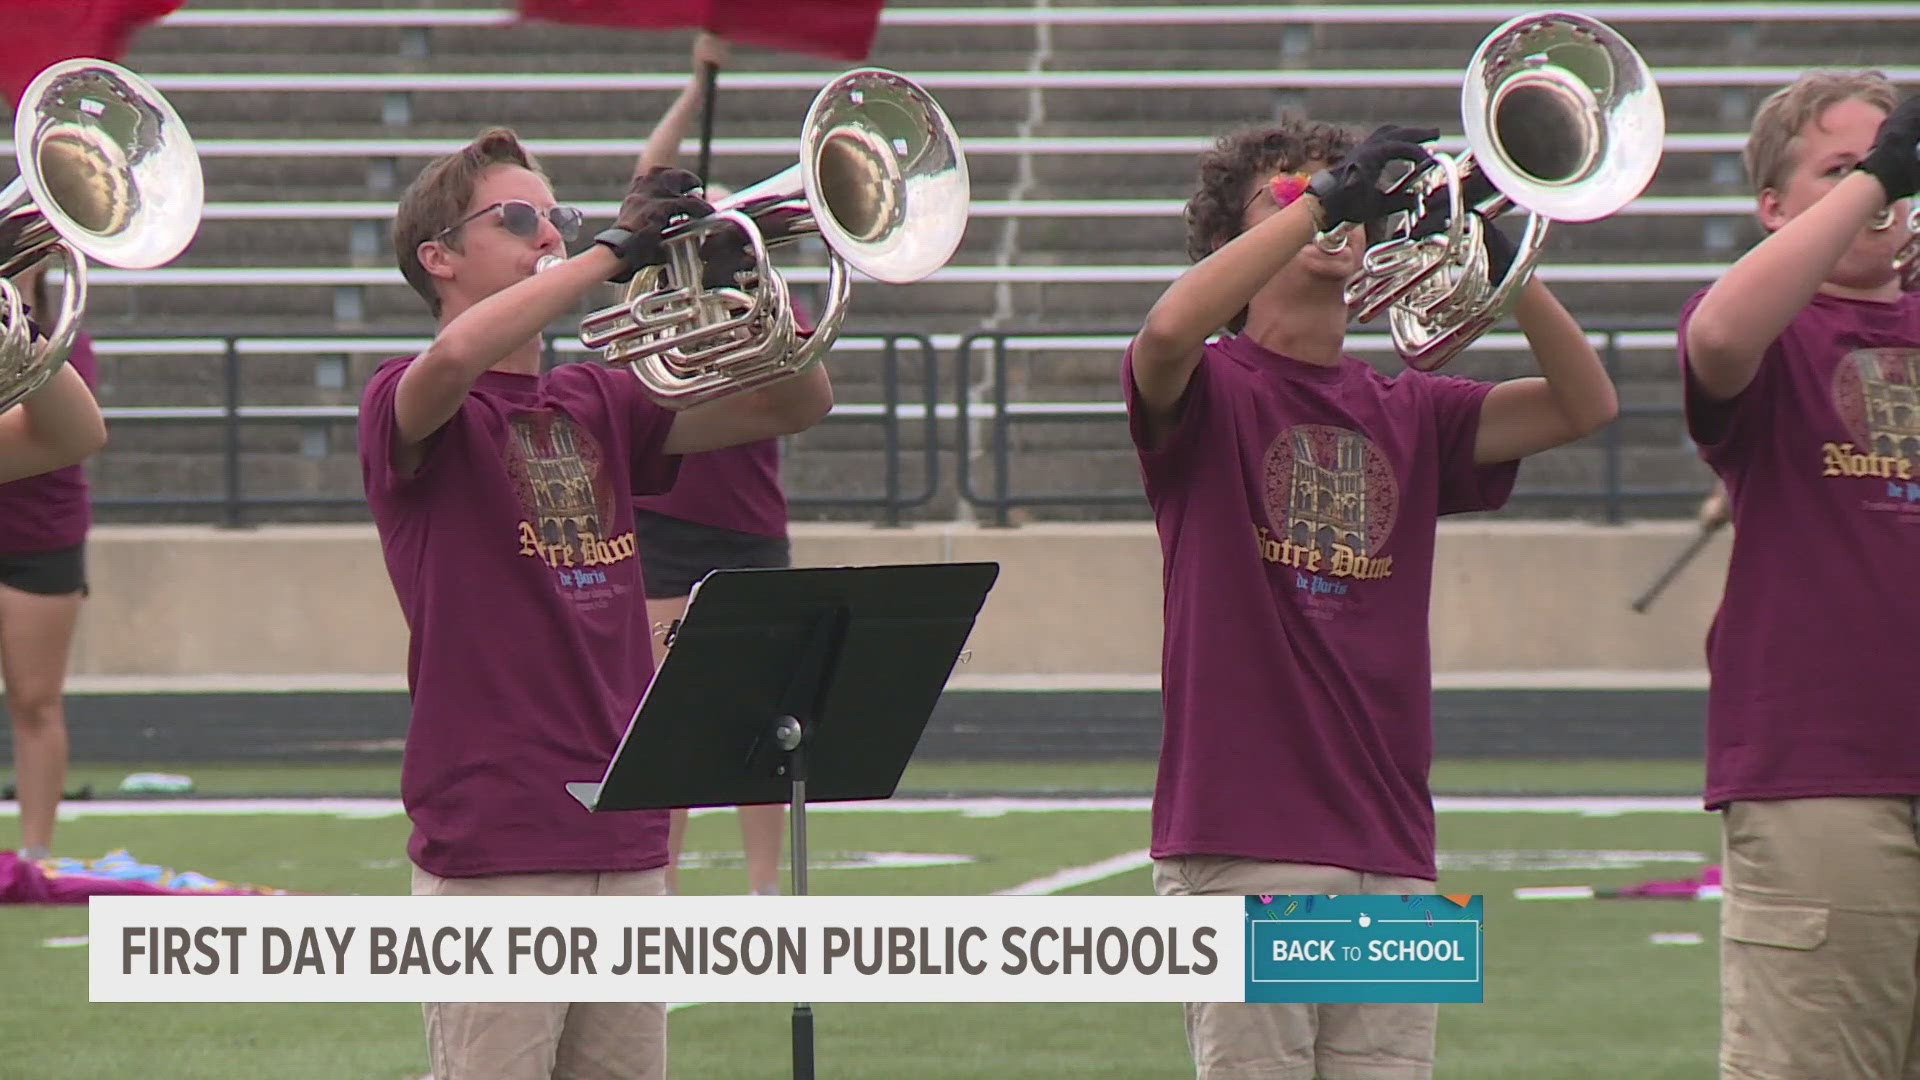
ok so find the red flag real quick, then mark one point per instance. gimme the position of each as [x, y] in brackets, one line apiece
[841, 29]
[37, 33]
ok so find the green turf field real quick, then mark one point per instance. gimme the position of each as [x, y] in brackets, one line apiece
[1574, 988]
[1505, 776]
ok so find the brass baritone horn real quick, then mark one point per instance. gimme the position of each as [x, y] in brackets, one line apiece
[107, 172]
[1907, 262]
[1563, 119]
[881, 180]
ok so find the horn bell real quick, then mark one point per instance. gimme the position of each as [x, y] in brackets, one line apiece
[108, 164]
[881, 181]
[108, 173]
[1563, 116]
[884, 163]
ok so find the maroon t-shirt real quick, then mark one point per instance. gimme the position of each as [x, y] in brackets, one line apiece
[1812, 651]
[734, 488]
[511, 551]
[1296, 506]
[49, 512]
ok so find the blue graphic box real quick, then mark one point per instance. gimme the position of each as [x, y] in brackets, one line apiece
[1364, 948]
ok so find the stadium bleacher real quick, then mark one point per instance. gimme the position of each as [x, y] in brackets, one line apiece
[1080, 121]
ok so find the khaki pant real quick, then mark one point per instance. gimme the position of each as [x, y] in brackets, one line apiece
[546, 1040]
[1359, 1041]
[1820, 940]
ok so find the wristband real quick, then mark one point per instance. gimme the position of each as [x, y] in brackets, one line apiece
[1322, 187]
[620, 242]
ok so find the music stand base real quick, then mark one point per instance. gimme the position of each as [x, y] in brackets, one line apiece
[802, 1042]
[791, 737]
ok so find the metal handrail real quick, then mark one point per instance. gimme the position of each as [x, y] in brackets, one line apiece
[1000, 415]
[891, 413]
[234, 501]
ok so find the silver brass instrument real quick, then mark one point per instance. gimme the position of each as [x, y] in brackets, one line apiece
[1907, 262]
[881, 180]
[107, 172]
[1563, 120]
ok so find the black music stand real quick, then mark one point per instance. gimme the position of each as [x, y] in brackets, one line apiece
[786, 685]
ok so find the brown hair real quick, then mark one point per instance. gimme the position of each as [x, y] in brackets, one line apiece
[1228, 170]
[438, 197]
[1216, 211]
[1772, 142]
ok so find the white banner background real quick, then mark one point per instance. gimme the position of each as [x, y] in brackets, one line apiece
[223, 946]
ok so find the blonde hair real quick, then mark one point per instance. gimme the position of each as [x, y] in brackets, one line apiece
[1773, 141]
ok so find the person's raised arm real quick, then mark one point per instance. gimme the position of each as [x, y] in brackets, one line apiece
[1572, 397]
[663, 145]
[786, 407]
[1741, 315]
[57, 425]
[1213, 290]
[434, 385]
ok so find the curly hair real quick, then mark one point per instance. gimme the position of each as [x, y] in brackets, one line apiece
[1217, 210]
[1239, 158]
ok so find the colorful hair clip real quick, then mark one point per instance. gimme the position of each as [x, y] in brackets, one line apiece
[1287, 187]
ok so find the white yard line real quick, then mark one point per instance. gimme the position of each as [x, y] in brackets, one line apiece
[1075, 876]
[1587, 805]
[1058, 881]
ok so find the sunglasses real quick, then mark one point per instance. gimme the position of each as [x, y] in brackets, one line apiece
[522, 219]
[1282, 189]
[1285, 188]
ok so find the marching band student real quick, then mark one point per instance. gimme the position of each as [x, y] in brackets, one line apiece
[44, 515]
[55, 426]
[1296, 492]
[1801, 368]
[504, 502]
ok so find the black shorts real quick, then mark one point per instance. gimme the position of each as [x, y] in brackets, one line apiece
[47, 573]
[675, 554]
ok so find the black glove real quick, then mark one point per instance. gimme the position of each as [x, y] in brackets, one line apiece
[1500, 250]
[726, 252]
[1434, 218]
[1475, 189]
[1350, 191]
[1895, 157]
[723, 254]
[656, 200]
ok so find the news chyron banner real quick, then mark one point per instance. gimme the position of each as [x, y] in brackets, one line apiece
[1364, 948]
[775, 949]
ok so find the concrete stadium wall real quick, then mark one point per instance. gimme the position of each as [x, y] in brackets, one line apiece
[311, 604]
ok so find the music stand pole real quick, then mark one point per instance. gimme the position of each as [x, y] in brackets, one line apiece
[784, 685]
[790, 735]
[710, 85]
